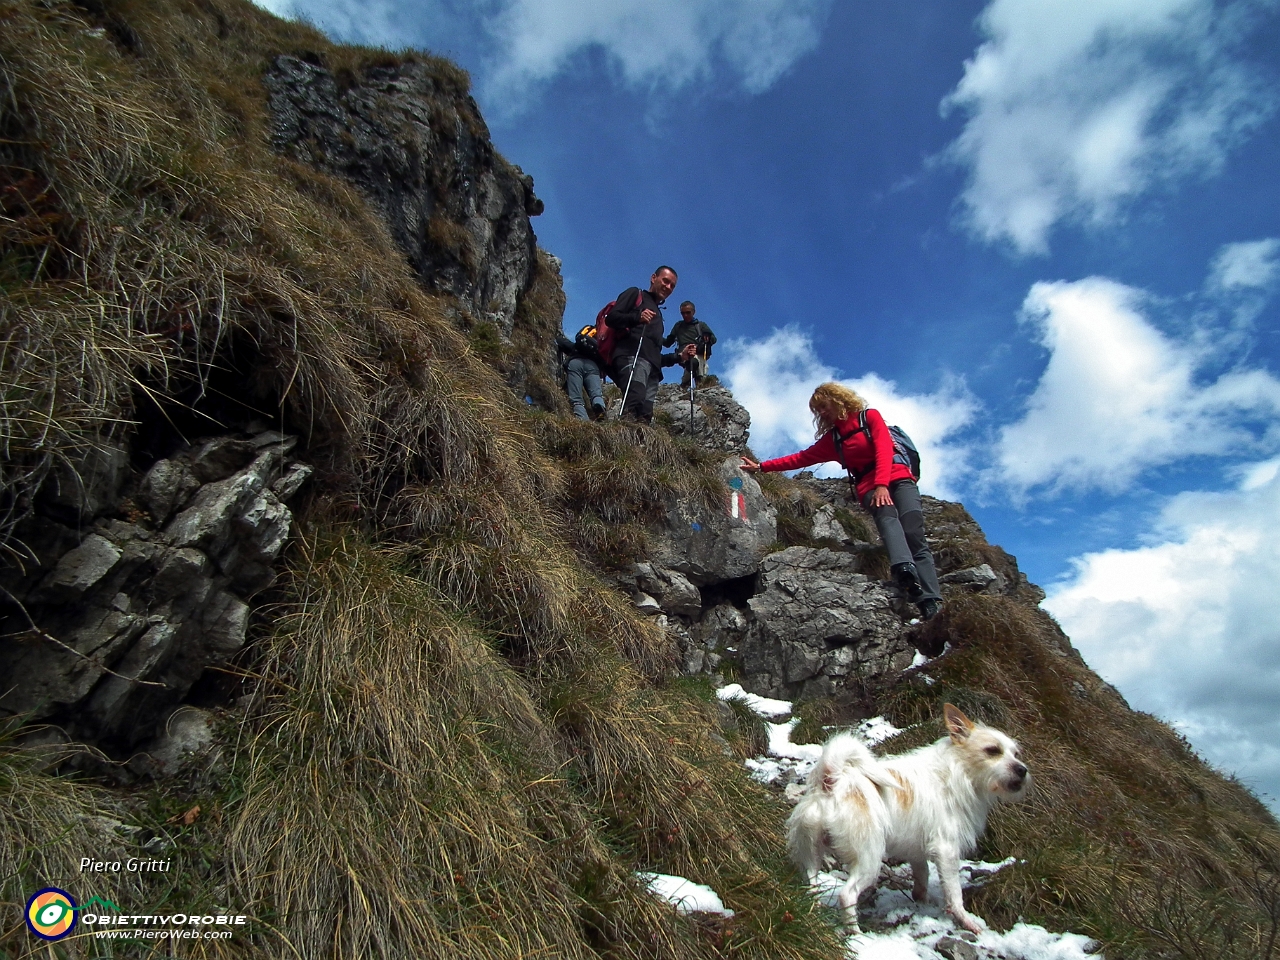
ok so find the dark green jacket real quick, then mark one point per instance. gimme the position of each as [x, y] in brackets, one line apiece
[686, 332]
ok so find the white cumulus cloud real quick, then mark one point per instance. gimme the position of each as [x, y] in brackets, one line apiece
[1075, 107]
[654, 44]
[650, 45]
[1118, 396]
[774, 378]
[1186, 627]
[1246, 266]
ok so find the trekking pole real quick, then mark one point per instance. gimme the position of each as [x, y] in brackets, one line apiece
[634, 361]
[693, 380]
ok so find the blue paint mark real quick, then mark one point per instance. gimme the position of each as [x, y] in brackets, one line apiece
[696, 526]
[736, 483]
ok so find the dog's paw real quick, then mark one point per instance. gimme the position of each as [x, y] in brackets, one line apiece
[970, 922]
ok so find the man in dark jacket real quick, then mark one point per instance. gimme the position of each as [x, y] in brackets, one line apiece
[690, 330]
[637, 351]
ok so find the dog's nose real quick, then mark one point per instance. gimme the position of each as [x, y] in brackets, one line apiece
[1019, 770]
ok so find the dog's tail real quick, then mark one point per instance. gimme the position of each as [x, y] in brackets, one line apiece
[846, 769]
[807, 835]
[845, 755]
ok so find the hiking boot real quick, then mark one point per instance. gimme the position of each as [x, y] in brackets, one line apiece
[598, 411]
[907, 578]
[929, 609]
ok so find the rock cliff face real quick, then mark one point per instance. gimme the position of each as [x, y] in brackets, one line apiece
[803, 621]
[421, 153]
[129, 585]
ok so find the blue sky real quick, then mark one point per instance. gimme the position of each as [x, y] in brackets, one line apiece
[1041, 235]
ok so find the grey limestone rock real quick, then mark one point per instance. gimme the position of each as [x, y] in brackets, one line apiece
[292, 481]
[220, 457]
[79, 570]
[717, 421]
[709, 546]
[167, 487]
[827, 527]
[816, 620]
[647, 604]
[81, 489]
[186, 735]
[715, 638]
[238, 522]
[955, 949]
[109, 631]
[671, 590]
[416, 146]
[979, 579]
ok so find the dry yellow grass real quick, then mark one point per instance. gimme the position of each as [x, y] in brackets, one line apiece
[456, 741]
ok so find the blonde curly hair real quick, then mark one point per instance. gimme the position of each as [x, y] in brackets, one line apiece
[842, 402]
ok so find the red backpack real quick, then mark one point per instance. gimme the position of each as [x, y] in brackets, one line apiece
[606, 336]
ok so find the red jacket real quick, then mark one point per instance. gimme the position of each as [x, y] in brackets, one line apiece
[872, 462]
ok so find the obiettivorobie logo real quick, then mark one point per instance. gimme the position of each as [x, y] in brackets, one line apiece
[51, 913]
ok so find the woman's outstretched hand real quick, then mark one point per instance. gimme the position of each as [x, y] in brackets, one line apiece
[880, 497]
[749, 465]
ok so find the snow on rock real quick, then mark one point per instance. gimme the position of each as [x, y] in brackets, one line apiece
[789, 763]
[875, 730]
[761, 706]
[907, 930]
[685, 895]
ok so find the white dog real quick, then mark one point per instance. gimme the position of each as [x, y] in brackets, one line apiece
[927, 805]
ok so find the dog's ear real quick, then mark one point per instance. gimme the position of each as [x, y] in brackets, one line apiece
[958, 725]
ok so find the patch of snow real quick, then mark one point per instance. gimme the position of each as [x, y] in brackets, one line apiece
[780, 744]
[915, 928]
[765, 770]
[685, 895]
[761, 706]
[875, 730]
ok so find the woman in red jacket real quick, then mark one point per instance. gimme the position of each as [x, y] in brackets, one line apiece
[886, 486]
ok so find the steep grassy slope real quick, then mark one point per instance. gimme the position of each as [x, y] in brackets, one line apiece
[449, 738]
[451, 741]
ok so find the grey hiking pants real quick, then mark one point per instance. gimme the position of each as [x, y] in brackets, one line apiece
[901, 528]
[581, 372]
[643, 390]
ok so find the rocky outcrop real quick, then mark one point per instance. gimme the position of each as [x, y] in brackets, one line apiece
[816, 621]
[127, 589]
[714, 419]
[711, 546]
[414, 144]
[807, 620]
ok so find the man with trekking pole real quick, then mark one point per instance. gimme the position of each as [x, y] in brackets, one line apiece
[636, 318]
[690, 330]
